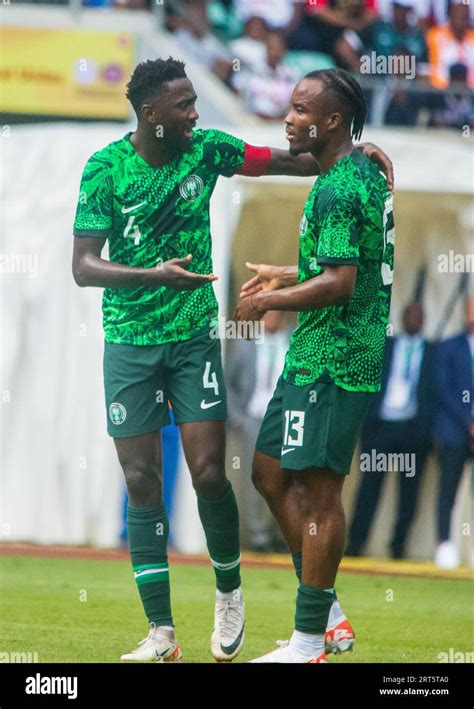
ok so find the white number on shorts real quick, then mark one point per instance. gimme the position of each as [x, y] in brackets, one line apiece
[135, 234]
[294, 423]
[209, 379]
[388, 238]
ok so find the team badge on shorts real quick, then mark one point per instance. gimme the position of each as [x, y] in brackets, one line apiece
[191, 188]
[117, 413]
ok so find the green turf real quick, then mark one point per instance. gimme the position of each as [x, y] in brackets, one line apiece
[71, 610]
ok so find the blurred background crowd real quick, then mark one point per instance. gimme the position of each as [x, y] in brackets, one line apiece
[259, 48]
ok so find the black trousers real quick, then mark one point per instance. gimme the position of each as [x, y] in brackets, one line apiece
[452, 460]
[390, 437]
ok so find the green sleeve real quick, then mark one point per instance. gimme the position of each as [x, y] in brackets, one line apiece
[339, 227]
[94, 206]
[223, 153]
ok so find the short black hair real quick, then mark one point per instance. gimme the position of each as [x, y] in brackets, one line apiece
[150, 77]
[348, 95]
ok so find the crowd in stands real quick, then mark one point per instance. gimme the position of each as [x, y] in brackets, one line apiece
[420, 51]
[414, 58]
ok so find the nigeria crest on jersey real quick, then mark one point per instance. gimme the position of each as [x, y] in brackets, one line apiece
[191, 187]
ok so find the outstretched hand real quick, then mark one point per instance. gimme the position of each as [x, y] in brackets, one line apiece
[267, 278]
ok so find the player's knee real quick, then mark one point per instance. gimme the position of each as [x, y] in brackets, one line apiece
[266, 476]
[258, 477]
[208, 476]
[263, 482]
[143, 480]
[316, 500]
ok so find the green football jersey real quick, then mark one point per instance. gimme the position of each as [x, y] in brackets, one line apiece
[347, 219]
[150, 215]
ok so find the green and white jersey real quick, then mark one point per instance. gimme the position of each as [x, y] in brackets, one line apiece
[347, 219]
[150, 215]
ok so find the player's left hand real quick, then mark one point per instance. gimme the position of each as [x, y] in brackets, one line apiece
[246, 311]
[376, 154]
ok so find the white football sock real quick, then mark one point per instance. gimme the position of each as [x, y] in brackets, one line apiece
[306, 644]
[235, 595]
[336, 614]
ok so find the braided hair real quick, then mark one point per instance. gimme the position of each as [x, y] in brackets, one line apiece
[151, 77]
[348, 93]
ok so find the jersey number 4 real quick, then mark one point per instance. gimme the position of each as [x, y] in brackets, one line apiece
[132, 231]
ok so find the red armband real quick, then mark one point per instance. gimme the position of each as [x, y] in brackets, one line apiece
[255, 161]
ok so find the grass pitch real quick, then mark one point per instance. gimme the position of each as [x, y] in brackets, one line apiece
[74, 610]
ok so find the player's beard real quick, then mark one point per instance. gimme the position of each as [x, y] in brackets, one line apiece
[178, 144]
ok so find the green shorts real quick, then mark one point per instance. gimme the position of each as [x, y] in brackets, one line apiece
[140, 380]
[313, 426]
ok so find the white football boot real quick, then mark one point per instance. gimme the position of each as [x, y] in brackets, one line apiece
[288, 655]
[229, 620]
[159, 646]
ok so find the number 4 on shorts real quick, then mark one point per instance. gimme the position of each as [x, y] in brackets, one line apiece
[209, 379]
[294, 428]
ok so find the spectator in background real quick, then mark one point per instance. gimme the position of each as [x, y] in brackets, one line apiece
[456, 108]
[276, 13]
[404, 105]
[251, 375]
[401, 32]
[454, 428]
[337, 28]
[451, 44]
[400, 420]
[250, 48]
[193, 32]
[267, 87]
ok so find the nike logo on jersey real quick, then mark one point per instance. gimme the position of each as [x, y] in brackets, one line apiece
[287, 450]
[126, 210]
[204, 405]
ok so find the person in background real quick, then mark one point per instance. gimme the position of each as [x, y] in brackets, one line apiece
[454, 428]
[335, 27]
[193, 31]
[451, 44]
[267, 88]
[400, 420]
[276, 13]
[250, 48]
[404, 106]
[388, 37]
[456, 108]
[251, 375]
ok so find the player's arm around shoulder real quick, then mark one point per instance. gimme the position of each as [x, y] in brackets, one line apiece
[260, 161]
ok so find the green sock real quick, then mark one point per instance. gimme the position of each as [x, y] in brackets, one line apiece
[148, 529]
[220, 521]
[298, 564]
[312, 609]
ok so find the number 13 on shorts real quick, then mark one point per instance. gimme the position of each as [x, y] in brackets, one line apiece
[294, 428]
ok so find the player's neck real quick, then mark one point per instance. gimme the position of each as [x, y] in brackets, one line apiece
[331, 153]
[153, 150]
